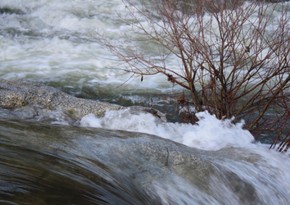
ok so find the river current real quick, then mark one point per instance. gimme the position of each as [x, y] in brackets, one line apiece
[55, 43]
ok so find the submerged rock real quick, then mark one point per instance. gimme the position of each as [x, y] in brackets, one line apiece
[36, 101]
[61, 164]
[96, 166]
[8, 10]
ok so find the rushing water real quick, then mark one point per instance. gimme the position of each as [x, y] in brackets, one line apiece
[49, 164]
[41, 166]
[54, 42]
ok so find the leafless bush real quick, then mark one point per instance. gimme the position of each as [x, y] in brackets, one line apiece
[233, 57]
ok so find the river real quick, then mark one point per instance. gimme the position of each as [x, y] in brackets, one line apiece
[55, 43]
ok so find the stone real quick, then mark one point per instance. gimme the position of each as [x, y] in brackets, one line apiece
[36, 101]
[121, 162]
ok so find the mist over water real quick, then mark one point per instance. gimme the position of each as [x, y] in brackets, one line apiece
[54, 42]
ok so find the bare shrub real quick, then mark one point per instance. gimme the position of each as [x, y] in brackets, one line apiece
[233, 56]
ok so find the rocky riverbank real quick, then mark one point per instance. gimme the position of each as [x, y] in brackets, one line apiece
[26, 100]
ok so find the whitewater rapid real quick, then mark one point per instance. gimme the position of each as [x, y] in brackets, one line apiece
[212, 134]
[55, 42]
[208, 134]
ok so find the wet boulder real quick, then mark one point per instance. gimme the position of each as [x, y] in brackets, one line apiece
[115, 167]
[26, 100]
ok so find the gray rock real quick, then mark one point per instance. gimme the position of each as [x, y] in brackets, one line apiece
[17, 94]
[164, 171]
[35, 101]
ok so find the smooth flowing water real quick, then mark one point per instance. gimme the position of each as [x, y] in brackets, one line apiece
[54, 42]
[53, 164]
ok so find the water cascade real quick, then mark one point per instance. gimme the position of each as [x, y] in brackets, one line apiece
[49, 155]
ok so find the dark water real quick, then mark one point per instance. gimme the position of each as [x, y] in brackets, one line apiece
[36, 170]
[42, 164]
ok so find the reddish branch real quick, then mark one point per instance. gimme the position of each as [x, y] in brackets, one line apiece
[234, 56]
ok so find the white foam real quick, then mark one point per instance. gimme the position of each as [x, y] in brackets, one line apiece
[65, 42]
[212, 134]
[209, 134]
[90, 120]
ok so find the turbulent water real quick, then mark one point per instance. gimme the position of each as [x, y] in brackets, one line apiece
[49, 164]
[55, 42]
